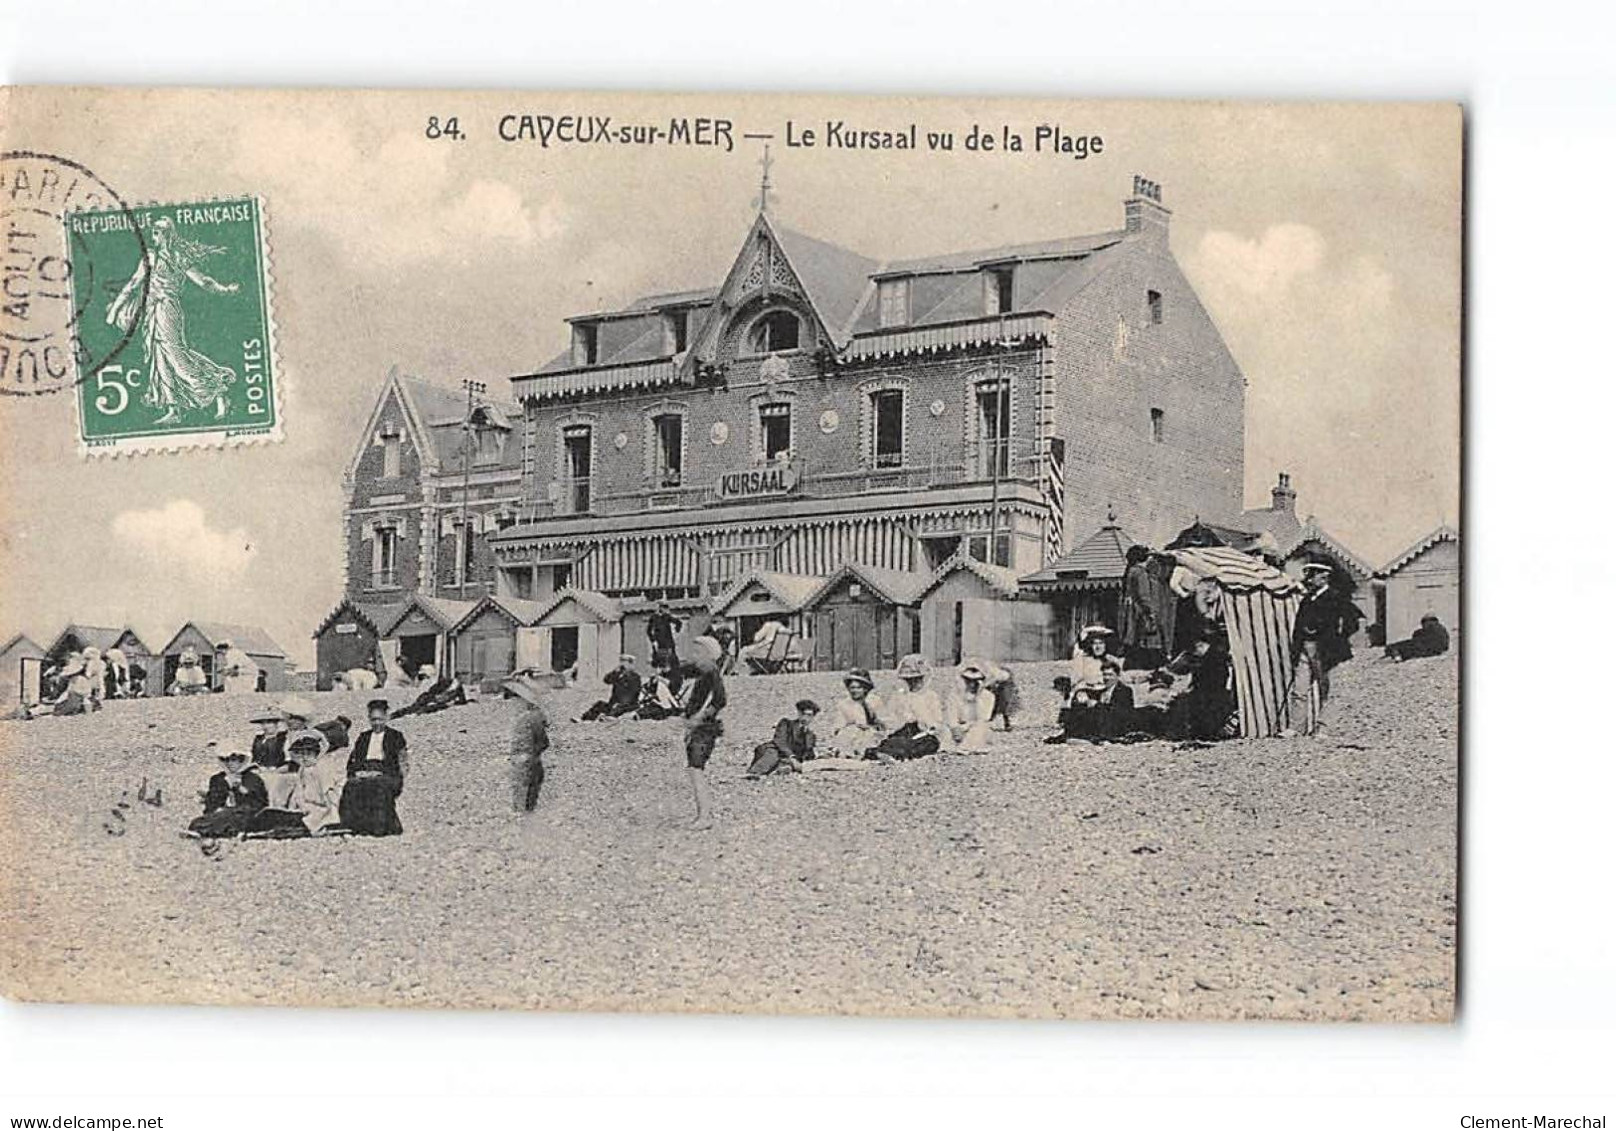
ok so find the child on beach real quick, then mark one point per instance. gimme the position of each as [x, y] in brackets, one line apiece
[704, 698]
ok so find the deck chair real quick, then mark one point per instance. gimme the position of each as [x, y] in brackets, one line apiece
[773, 661]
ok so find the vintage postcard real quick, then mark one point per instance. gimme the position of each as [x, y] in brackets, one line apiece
[938, 557]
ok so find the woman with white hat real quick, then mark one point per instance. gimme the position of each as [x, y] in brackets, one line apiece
[189, 678]
[236, 670]
[973, 711]
[74, 694]
[235, 795]
[314, 803]
[915, 713]
[117, 678]
[854, 721]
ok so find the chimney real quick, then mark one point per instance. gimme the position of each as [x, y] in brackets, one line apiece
[1146, 218]
[1284, 495]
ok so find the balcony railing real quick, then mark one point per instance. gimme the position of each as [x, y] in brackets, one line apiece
[952, 465]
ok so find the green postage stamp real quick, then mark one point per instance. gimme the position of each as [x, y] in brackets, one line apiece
[175, 337]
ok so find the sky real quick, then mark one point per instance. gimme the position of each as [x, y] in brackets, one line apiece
[1323, 239]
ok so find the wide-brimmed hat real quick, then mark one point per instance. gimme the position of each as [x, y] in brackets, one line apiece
[296, 707]
[92, 653]
[115, 654]
[305, 738]
[73, 665]
[913, 666]
[628, 658]
[188, 655]
[859, 676]
[524, 688]
[224, 751]
[265, 715]
[973, 671]
[1094, 630]
[711, 649]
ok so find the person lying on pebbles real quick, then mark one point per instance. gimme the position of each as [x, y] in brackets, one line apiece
[792, 744]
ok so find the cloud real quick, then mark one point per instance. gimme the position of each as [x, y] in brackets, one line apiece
[431, 213]
[1264, 267]
[178, 534]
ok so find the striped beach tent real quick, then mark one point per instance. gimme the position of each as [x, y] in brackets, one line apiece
[1259, 612]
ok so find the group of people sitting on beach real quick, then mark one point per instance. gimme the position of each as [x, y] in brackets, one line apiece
[82, 681]
[296, 779]
[912, 721]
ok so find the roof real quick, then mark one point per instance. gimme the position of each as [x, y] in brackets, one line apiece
[791, 590]
[1102, 556]
[374, 615]
[442, 415]
[443, 611]
[1312, 532]
[997, 578]
[604, 607]
[251, 640]
[18, 641]
[90, 635]
[1281, 523]
[1234, 570]
[841, 285]
[898, 587]
[1443, 533]
[519, 611]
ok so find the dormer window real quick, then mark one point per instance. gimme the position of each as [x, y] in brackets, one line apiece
[675, 331]
[775, 331]
[1153, 300]
[894, 302]
[586, 344]
[999, 290]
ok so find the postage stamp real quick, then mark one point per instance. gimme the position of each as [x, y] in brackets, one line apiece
[175, 341]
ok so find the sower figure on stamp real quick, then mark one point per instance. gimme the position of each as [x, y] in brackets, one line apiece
[180, 379]
[530, 738]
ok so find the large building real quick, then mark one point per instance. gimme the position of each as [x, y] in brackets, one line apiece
[813, 408]
[818, 407]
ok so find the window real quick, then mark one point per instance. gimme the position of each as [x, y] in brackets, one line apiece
[391, 447]
[668, 434]
[887, 408]
[939, 548]
[993, 427]
[775, 331]
[999, 290]
[1158, 425]
[1153, 299]
[676, 331]
[576, 441]
[465, 554]
[489, 443]
[894, 302]
[561, 576]
[384, 559]
[505, 522]
[1001, 545]
[585, 344]
[774, 432]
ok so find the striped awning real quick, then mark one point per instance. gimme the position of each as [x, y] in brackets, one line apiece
[954, 335]
[597, 379]
[1234, 570]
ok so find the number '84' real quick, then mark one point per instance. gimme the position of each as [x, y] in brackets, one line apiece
[112, 394]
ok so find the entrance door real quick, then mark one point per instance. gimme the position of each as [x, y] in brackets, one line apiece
[563, 647]
[414, 651]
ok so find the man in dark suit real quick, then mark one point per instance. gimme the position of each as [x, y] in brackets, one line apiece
[1430, 639]
[625, 697]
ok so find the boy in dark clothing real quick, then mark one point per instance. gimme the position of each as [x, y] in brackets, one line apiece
[791, 746]
[625, 697]
[704, 698]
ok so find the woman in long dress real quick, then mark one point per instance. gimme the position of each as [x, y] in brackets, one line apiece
[179, 378]
[375, 777]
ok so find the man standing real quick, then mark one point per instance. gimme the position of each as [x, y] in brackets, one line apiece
[661, 630]
[704, 698]
[530, 738]
[1142, 642]
[1324, 624]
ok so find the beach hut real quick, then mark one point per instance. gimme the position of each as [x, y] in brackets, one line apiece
[349, 637]
[77, 637]
[971, 608]
[1083, 586]
[577, 630]
[418, 632]
[865, 617]
[759, 596]
[20, 662]
[483, 643]
[1423, 579]
[205, 637]
[1259, 611]
[1315, 544]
